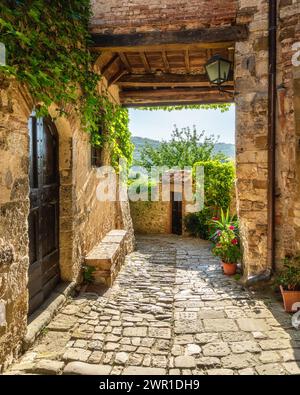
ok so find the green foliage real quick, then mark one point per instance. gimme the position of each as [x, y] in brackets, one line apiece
[228, 247]
[223, 107]
[88, 274]
[218, 182]
[289, 276]
[185, 148]
[47, 50]
[197, 224]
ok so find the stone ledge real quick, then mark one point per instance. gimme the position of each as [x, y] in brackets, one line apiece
[108, 256]
[41, 318]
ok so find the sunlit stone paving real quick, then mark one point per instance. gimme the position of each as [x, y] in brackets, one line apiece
[170, 311]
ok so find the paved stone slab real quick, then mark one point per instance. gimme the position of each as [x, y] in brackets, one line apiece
[76, 354]
[216, 350]
[80, 368]
[220, 325]
[185, 362]
[140, 371]
[45, 366]
[253, 325]
[272, 369]
[220, 372]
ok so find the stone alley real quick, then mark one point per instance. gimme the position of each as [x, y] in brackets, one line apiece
[170, 311]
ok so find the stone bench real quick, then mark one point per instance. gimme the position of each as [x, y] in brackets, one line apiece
[108, 256]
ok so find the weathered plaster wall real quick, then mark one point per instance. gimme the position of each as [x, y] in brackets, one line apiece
[139, 16]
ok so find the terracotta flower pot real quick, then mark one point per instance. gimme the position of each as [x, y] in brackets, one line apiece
[289, 299]
[229, 268]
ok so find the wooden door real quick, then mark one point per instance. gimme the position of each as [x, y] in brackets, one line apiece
[44, 211]
[176, 202]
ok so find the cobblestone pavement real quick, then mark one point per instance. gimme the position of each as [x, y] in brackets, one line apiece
[170, 311]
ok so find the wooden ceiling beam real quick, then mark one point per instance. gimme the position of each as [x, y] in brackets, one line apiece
[165, 61]
[124, 60]
[145, 62]
[205, 36]
[187, 60]
[164, 80]
[115, 78]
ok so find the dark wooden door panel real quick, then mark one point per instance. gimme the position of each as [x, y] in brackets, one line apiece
[176, 201]
[44, 211]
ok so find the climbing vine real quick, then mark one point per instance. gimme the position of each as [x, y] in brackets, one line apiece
[47, 50]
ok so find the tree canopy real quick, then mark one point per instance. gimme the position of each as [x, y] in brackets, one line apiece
[185, 148]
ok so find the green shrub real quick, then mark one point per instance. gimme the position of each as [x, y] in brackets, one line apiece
[218, 182]
[198, 224]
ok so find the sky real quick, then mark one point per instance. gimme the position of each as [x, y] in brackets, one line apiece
[158, 125]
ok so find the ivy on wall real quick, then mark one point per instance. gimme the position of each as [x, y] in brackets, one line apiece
[47, 50]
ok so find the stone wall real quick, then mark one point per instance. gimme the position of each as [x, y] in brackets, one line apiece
[139, 16]
[83, 219]
[288, 133]
[151, 217]
[251, 79]
[14, 209]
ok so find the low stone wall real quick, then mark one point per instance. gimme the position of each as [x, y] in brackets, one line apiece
[151, 217]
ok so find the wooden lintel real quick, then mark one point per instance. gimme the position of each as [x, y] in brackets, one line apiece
[205, 36]
[199, 95]
[124, 59]
[164, 80]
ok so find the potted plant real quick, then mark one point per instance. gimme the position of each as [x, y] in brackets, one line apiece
[288, 279]
[228, 249]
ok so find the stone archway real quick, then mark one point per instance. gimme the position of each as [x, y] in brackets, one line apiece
[167, 68]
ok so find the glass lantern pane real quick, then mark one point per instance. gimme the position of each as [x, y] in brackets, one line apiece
[2, 55]
[225, 69]
[213, 71]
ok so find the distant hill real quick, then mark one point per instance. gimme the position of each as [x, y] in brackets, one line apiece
[139, 143]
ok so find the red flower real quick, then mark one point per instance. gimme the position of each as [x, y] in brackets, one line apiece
[216, 218]
[235, 242]
[231, 227]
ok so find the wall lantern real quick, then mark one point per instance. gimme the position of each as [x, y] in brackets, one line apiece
[218, 70]
[2, 55]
